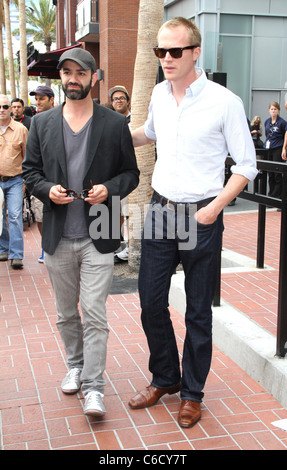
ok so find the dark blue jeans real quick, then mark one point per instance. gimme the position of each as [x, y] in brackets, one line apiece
[159, 258]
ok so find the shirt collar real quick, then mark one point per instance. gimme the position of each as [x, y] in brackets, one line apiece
[195, 87]
[12, 124]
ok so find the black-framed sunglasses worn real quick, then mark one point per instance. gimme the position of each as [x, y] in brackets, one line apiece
[4, 106]
[175, 52]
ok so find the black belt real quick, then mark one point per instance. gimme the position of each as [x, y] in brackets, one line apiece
[6, 178]
[167, 202]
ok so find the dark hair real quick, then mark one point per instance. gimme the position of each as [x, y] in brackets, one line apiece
[15, 100]
[28, 111]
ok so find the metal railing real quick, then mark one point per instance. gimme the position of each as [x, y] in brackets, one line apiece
[258, 195]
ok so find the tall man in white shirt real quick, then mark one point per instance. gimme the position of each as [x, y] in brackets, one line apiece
[195, 123]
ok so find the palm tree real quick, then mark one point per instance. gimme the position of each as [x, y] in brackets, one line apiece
[5, 17]
[9, 48]
[16, 74]
[149, 21]
[23, 51]
[42, 23]
[2, 64]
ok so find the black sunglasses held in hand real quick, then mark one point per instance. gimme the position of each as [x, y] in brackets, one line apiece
[83, 194]
[175, 52]
[74, 195]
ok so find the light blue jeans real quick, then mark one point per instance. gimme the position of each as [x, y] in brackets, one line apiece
[1, 211]
[79, 273]
[11, 239]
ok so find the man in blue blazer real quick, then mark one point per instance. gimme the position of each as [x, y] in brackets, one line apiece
[80, 162]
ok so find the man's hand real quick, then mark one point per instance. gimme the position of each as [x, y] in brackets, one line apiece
[58, 195]
[97, 194]
[206, 215]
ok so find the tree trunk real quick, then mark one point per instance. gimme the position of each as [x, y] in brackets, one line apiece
[9, 48]
[23, 52]
[146, 67]
[2, 65]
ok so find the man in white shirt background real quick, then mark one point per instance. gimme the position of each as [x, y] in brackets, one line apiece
[195, 123]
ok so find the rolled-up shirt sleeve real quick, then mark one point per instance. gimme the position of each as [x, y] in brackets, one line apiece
[239, 141]
[149, 124]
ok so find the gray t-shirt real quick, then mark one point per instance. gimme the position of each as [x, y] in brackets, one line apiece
[76, 149]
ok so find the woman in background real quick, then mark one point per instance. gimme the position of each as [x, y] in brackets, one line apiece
[275, 128]
[256, 132]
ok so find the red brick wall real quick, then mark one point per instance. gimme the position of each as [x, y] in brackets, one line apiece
[118, 42]
[65, 31]
[115, 54]
[71, 7]
[93, 48]
[60, 26]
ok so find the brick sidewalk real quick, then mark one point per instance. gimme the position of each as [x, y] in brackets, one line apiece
[35, 414]
[253, 293]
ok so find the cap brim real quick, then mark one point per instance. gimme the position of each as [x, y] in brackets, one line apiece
[33, 93]
[79, 62]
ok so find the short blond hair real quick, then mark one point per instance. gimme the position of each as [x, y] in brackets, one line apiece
[193, 31]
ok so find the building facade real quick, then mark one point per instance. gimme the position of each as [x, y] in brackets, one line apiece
[107, 29]
[248, 41]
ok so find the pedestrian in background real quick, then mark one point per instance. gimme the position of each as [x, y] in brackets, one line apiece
[121, 104]
[13, 137]
[275, 128]
[44, 98]
[18, 110]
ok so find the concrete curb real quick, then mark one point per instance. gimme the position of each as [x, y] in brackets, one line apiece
[245, 342]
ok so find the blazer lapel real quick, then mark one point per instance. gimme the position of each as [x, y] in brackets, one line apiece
[57, 140]
[96, 131]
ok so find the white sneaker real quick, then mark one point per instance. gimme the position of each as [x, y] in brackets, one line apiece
[71, 383]
[94, 404]
[124, 254]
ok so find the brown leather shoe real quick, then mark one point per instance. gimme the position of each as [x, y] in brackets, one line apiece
[150, 395]
[189, 413]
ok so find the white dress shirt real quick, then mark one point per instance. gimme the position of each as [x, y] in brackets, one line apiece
[194, 139]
